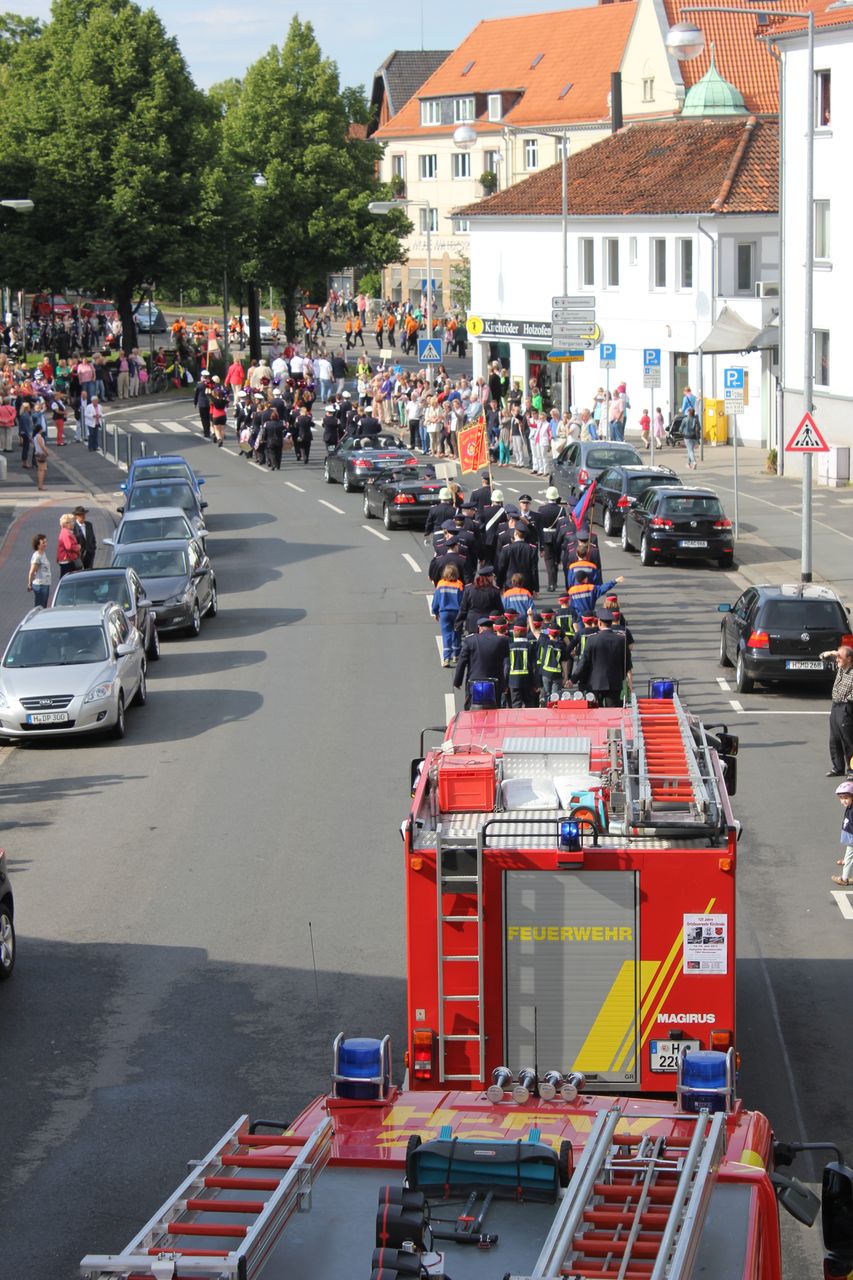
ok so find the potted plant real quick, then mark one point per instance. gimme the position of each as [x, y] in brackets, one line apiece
[397, 185]
[489, 182]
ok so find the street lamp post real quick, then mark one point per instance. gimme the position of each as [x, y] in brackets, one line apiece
[686, 41]
[385, 207]
[17, 206]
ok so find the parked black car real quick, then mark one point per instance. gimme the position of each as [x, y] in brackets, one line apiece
[358, 458]
[779, 632]
[583, 460]
[620, 487]
[178, 579]
[403, 497]
[679, 523]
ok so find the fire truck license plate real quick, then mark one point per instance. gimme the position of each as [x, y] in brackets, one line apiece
[665, 1053]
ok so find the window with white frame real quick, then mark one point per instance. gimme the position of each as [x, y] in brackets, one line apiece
[463, 110]
[611, 262]
[428, 167]
[685, 263]
[632, 251]
[431, 111]
[586, 266]
[461, 226]
[823, 101]
[531, 153]
[744, 266]
[658, 262]
[821, 229]
[398, 166]
[491, 161]
[494, 106]
[821, 357]
[429, 218]
[648, 88]
[461, 164]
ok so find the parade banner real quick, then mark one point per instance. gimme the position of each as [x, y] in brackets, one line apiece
[472, 447]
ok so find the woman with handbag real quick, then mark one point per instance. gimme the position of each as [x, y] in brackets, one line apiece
[68, 549]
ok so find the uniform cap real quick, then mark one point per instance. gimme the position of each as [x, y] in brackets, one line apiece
[547, 614]
[525, 497]
[511, 616]
[451, 540]
[845, 789]
[513, 512]
[449, 526]
[519, 627]
[485, 570]
[485, 622]
[565, 599]
[552, 494]
[500, 627]
[604, 614]
[554, 631]
[444, 495]
[346, 395]
[589, 617]
[204, 373]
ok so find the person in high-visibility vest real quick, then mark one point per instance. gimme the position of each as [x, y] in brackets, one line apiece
[390, 323]
[521, 667]
[358, 331]
[348, 332]
[411, 334]
[550, 658]
[380, 329]
[274, 323]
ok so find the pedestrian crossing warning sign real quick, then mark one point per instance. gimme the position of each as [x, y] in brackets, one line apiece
[807, 438]
[429, 350]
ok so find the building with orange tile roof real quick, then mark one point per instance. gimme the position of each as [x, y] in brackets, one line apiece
[521, 84]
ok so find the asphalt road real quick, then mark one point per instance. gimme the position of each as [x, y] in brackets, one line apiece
[169, 887]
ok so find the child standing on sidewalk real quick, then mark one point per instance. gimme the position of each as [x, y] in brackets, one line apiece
[845, 795]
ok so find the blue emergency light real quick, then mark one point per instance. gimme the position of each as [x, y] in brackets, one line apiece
[706, 1080]
[663, 689]
[482, 695]
[569, 835]
[362, 1067]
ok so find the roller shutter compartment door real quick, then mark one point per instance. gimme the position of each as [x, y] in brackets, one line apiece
[571, 949]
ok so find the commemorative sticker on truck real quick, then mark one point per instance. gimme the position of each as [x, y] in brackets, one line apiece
[706, 944]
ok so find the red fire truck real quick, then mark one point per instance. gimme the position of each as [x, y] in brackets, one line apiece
[570, 896]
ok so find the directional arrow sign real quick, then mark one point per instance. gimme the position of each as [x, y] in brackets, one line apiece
[566, 333]
[575, 316]
[574, 300]
[807, 438]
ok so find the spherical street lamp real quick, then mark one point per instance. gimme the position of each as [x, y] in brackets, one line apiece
[685, 41]
[464, 137]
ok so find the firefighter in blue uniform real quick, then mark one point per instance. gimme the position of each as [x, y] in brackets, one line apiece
[550, 658]
[483, 657]
[521, 667]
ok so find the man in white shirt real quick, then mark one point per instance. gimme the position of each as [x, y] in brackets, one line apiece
[297, 364]
[93, 420]
[279, 368]
[323, 371]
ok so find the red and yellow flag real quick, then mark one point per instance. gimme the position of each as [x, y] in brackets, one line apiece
[472, 447]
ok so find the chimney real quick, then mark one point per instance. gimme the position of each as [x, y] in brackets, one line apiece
[615, 101]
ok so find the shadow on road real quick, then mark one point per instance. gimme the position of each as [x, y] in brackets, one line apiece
[234, 624]
[238, 520]
[188, 662]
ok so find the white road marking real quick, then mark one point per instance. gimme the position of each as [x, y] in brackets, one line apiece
[737, 706]
[758, 712]
[147, 428]
[411, 561]
[175, 426]
[291, 485]
[450, 706]
[843, 902]
[324, 503]
[376, 533]
[440, 646]
[779, 507]
[612, 544]
[724, 684]
[233, 452]
[429, 603]
[252, 463]
[845, 502]
[509, 486]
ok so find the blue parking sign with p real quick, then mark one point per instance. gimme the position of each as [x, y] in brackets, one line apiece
[733, 379]
[607, 353]
[651, 357]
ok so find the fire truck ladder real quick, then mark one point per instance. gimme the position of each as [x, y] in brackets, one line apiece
[669, 778]
[459, 877]
[231, 1235]
[635, 1207]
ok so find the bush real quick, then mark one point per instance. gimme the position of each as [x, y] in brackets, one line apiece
[489, 182]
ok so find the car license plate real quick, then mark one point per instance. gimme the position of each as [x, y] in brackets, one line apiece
[692, 542]
[47, 717]
[796, 665]
[664, 1053]
[429, 497]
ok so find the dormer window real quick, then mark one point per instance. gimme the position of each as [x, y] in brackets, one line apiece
[463, 110]
[495, 106]
[431, 112]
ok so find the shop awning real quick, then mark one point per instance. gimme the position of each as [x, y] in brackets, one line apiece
[730, 333]
[767, 337]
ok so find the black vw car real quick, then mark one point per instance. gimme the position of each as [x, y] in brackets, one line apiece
[178, 579]
[357, 458]
[402, 497]
[779, 632]
[620, 487]
[679, 523]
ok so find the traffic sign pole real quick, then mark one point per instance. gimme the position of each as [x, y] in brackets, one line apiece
[652, 428]
[737, 489]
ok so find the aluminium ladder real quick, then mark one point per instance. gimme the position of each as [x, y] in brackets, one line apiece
[669, 779]
[229, 1236]
[635, 1207]
[459, 879]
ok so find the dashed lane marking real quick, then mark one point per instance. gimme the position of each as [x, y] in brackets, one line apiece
[724, 684]
[843, 902]
[410, 560]
[291, 485]
[749, 711]
[450, 706]
[233, 452]
[509, 486]
[324, 503]
[376, 533]
[429, 603]
[737, 706]
[440, 646]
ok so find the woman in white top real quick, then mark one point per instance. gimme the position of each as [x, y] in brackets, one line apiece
[38, 579]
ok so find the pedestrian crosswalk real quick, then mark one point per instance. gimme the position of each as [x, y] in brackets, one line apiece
[156, 428]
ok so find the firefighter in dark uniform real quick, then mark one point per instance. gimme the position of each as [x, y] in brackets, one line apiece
[437, 514]
[521, 667]
[483, 657]
[450, 553]
[550, 659]
[302, 436]
[548, 519]
[482, 497]
[575, 642]
[606, 662]
[273, 437]
[519, 557]
[478, 598]
[331, 428]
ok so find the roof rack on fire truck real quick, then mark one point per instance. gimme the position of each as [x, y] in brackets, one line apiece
[635, 1205]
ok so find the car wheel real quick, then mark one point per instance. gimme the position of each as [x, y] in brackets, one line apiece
[365, 506]
[119, 729]
[725, 660]
[213, 607]
[154, 646]
[646, 555]
[7, 941]
[743, 682]
[347, 482]
[195, 621]
[626, 544]
[607, 521]
[141, 696]
[327, 475]
[726, 562]
[387, 518]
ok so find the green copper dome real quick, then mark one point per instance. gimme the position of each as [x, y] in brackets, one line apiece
[713, 96]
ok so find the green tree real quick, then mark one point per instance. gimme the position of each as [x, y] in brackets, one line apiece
[13, 30]
[104, 129]
[294, 124]
[460, 283]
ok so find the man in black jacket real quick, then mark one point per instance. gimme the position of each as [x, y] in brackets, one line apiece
[201, 400]
[483, 657]
[302, 430]
[450, 553]
[548, 520]
[482, 497]
[84, 532]
[273, 437]
[605, 662]
[519, 557]
[439, 512]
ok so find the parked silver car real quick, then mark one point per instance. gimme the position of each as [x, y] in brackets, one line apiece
[151, 526]
[7, 921]
[73, 669]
